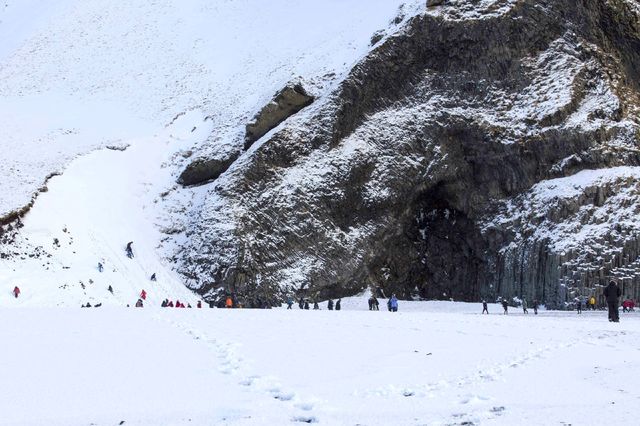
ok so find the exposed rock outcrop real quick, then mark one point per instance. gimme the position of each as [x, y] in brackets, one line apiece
[397, 182]
[285, 103]
[203, 170]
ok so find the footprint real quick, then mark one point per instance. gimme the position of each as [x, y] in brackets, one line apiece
[304, 406]
[305, 419]
[284, 396]
[473, 399]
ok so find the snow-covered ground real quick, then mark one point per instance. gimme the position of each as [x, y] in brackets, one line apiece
[432, 363]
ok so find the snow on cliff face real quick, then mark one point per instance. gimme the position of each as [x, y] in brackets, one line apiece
[157, 82]
[77, 75]
[389, 181]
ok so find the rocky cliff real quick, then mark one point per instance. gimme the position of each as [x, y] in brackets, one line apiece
[429, 171]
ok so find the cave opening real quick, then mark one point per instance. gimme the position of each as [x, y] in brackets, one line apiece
[452, 254]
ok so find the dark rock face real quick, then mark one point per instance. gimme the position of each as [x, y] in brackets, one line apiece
[203, 170]
[285, 103]
[408, 178]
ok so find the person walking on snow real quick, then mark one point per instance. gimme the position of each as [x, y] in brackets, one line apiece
[524, 306]
[338, 304]
[139, 303]
[153, 277]
[330, 305]
[289, 302]
[535, 306]
[143, 295]
[393, 303]
[129, 250]
[229, 302]
[100, 267]
[16, 292]
[315, 306]
[199, 304]
[612, 293]
[505, 306]
[485, 308]
[592, 303]
[579, 306]
[110, 289]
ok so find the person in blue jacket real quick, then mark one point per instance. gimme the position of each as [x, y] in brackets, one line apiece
[393, 303]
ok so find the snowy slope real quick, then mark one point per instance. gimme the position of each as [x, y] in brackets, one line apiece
[166, 79]
[80, 74]
[434, 363]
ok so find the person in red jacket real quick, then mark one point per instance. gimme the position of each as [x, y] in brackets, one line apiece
[178, 303]
[143, 295]
[16, 291]
[199, 304]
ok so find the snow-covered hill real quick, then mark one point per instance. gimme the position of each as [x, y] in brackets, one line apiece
[169, 80]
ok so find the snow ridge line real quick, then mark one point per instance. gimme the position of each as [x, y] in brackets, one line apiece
[235, 365]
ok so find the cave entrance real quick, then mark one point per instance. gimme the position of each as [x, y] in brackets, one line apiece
[450, 248]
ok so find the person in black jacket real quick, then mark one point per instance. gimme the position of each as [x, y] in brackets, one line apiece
[612, 293]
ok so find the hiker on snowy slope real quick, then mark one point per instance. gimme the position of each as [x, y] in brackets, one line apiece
[612, 293]
[129, 249]
[505, 306]
[16, 292]
[485, 307]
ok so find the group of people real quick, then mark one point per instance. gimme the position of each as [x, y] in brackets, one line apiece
[304, 304]
[505, 306]
[166, 303]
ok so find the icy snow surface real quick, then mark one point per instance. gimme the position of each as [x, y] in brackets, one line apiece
[432, 363]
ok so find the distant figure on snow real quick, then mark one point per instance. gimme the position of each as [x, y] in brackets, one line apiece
[485, 307]
[199, 304]
[164, 303]
[110, 289]
[535, 306]
[129, 250]
[88, 305]
[612, 293]
[505, 306]
[170, 304]
[143, 295]
[524, 306]
[301, 303]
[306, 304]
[393, 303]
[229, 302]
[374, 305]
[330, 305]
[338, 304]
[289, 302]
[316, 306]
[100, 267]
[579, 306]
[153, 277]
[592, 303]
[139, 303]
[16, 292]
